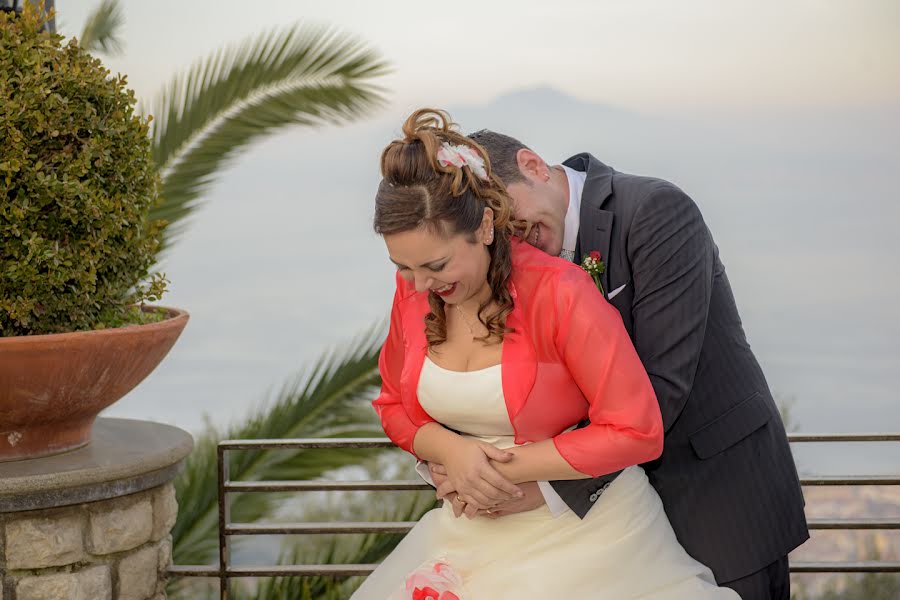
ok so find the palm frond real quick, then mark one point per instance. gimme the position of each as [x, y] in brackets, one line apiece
[102, 30]
[326, 402]
[205, 116]
[343, 548]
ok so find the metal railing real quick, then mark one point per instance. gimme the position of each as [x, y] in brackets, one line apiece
[225, 571]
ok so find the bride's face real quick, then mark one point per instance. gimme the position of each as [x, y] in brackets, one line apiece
[454, 266]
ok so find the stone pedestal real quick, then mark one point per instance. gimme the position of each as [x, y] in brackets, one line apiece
[92, 524]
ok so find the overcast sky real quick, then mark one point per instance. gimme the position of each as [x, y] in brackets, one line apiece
[659, 56]
[796, 170]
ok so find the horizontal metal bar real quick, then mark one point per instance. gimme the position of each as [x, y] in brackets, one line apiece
[851, 480]
[310, 528]
[844, 437]
[342, 570]
[405, 526]
[313, 443]
[846, 567]
[853, 523]
[411, 485]
[193, 571]
[345, 570]
[350, 570]
[324, 486]
[305, 443]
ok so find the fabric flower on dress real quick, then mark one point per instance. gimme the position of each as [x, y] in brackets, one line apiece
[460, 156]
[434, 580]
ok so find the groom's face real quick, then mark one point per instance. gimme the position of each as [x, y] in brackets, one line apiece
[540, 201]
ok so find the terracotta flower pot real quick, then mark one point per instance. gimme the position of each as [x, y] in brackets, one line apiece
[53, 386]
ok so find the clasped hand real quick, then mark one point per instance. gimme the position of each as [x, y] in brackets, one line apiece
[472, 483]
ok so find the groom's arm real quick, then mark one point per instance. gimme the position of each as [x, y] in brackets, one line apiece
[672, 256]
[578, 495]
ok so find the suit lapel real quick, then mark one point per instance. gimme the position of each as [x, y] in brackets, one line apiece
[595, 224]
[595, 234]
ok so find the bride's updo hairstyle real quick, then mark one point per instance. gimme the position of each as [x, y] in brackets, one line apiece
[417, 190]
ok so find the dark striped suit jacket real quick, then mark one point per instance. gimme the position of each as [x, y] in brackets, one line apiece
[726, 476]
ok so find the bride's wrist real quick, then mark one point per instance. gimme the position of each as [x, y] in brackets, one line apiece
[452, 444]
[508, 471]
[435, 443]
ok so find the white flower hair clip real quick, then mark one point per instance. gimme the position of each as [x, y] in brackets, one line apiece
[462, 155]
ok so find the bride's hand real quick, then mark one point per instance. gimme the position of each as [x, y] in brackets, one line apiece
[472, 480]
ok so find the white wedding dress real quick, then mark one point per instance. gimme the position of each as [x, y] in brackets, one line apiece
[623, 548]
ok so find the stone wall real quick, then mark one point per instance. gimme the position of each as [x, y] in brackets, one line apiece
[117, 549]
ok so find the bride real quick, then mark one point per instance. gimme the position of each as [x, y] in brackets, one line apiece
[496, 351]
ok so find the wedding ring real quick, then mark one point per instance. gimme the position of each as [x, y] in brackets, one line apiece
[460, 500]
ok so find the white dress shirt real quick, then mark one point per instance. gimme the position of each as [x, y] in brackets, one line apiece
[573, 214]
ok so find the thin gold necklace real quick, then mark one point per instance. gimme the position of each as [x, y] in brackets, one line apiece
[465, 319]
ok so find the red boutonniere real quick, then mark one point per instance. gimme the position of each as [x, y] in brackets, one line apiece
[594, 267]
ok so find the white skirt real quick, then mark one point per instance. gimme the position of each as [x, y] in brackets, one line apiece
[623, 548]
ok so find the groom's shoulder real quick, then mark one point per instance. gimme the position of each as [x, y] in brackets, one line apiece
[642, 198]
[626, 192]
[645, 188]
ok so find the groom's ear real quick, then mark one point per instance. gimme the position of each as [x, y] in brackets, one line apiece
[532, 166]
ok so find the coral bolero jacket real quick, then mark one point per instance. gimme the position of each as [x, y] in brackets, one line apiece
[567, 359]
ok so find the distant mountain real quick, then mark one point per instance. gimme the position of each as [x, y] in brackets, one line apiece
[545, 102]
[557, 125]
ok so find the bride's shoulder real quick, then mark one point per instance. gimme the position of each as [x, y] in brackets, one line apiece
[535, 267]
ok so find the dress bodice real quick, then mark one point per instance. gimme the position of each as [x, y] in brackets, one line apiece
[469, 402]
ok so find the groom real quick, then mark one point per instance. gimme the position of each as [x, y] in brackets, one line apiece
[726, 476]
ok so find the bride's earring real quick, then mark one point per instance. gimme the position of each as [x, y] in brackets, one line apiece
[490, 238]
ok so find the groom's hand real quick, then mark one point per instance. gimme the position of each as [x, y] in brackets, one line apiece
[438, 473]
[532, 499]
[446, 493]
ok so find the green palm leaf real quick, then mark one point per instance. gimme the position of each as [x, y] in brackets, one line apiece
[342, 548]
[102, 29]
[300, 76]
[330, 401]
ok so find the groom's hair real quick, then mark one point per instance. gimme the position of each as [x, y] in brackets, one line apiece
[502, 150]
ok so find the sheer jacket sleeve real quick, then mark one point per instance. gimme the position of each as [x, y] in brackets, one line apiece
[395, 419]
[625, 423]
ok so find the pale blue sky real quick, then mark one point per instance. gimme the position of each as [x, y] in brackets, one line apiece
[658, 56]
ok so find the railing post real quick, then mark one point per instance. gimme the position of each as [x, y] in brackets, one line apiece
[224, 519]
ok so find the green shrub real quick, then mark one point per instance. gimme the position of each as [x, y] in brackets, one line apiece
[77, 182]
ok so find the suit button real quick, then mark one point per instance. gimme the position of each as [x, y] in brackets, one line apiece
[594, 497]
